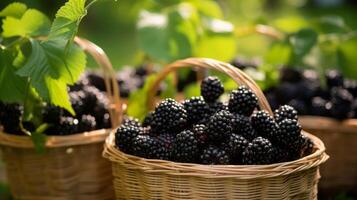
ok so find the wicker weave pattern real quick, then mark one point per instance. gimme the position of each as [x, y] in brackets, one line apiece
[340, 173]
[72, 168]
[139, 178]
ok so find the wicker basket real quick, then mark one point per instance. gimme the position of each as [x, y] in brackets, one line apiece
[139, 178]
[72, 168]
[340, 137]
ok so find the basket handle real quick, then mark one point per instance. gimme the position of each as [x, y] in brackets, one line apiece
[206, 63]
[115, 108]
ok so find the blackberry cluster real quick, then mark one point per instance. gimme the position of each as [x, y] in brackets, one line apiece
[302, 89]
[210, 132]
[211, 88]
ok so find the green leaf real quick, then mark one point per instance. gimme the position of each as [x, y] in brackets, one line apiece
[72, 10]
[39, 139]
[279, 53]
[347, 58]
[220, 47]
[12, 87]
[15, 10]
[331, 24]
[208, 8]
[32, 23]
[50, 70]
[302, 42]
[168, 36]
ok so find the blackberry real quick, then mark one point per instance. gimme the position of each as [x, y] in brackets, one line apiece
[286, 91]
[264, 124]
[165, 142]
[91, 98]
[290, 130]
[101, 115]
[341, 101]
[242, 101]
[170, 116]
[280, 154]
[351, 86]
[67, 126]
[185, 147]
[291, 75]
[96, 80]
[220, 126]
[12, 113]
[124, 137]
[131, 121]
[201, 134]
[211, 88]
[52, 114]
[196, 108]
[285, 112]
[297, 148]
[148, 119]
[242, 126]
[234, 146]
[333, 78]
[299, 105]
[87, 123]
[258, 152]
[216, 106]
[77, 103]
[83, 81]
[308, 147]
[214, 156]
[318, 107]
[145, 146]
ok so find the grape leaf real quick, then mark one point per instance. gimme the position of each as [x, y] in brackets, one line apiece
[51, 69]
[15, 10]
[12, 87]
[279, 53]
[302, 42]
[32, 23]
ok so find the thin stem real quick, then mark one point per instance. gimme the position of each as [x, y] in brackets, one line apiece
[25, 107]
[16, 42]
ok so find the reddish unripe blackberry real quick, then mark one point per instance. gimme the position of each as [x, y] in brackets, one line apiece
[211, 88]
[258, 152]
[285, 112]
[242, 101]
[214, 156]
[185, 148]
[169, 117]
[220, 126]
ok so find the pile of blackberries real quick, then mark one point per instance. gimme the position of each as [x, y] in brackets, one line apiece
[89, 104]
[204, 130]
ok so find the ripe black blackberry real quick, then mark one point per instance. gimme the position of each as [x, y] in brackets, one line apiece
[216, 106]
[87, 123]
[211, 89]
[297, 147]
[289, 131]
[196, 108]
[291, 75]
[185, 147]
[351, 86]
[76, 99]
[169, 117]
[131, 121]
[280, 154]
[264, 124]
[124, 137]
[234, 146]
[101, 115]
[67, 126]
[12, 113]
[242, 101]
[258, 152]
[52, 114]
[148, 119]
[220, 126]
[299, 105]
[334, 78]
[214, 156]
[318, 107]
[166, 143]
[91, 98]
[243, 126]
[96, 80]
[145, 146]
[285, 112]
[341, 101]
[200, 131]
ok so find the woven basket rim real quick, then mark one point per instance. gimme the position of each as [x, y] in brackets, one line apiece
[237, 171]
[24, 141]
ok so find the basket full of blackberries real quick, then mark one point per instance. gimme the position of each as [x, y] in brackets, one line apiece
[202, 147]
[50, 164]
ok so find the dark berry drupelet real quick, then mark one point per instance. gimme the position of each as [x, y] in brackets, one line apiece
[334, 78]
[319, 107]
[297, 148]
[12, 113]
[201, 134]
[280, 154]
[290, 130]
[67, 126]
[196, 108]
[185, 148]
[124, 137]
[220, 126]
[148, 119]
[211, 88]
[131, 121]
[242, 101]
[216, 107]
[243, 126]
[87, 123]
[146, 146]
[169, 117]
[341, 101]
[214, 156]
[234, 145]
[76, 99]
[52, 114]
[264, 124]
[101, 115]
[96, 80]
[285, 112]
[258, 152]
